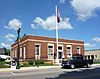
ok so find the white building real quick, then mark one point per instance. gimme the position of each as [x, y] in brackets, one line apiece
[92, 54]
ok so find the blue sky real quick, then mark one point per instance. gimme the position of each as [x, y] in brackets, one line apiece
[80, 20]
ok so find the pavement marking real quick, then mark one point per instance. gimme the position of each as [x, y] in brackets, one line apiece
[13, 73]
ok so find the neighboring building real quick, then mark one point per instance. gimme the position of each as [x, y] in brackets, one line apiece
[92, 54]
[38, 47]
[2, 51]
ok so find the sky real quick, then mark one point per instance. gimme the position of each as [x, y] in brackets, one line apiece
[79, 20]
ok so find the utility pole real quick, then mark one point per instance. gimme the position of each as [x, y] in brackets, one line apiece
[18, 51]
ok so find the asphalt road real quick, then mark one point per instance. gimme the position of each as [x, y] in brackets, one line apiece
[55, 73]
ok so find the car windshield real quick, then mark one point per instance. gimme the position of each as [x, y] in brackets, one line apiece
[72, 58]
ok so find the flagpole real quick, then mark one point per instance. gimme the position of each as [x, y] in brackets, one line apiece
[57, 60]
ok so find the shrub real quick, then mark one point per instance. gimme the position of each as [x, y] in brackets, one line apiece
[30, 62]
[8, 63]
[39, 62]
[24, 64]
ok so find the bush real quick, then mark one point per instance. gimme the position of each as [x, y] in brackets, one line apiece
[48, 63]
[24, 64]
[8, 63]
[39, 62]
[31, 62]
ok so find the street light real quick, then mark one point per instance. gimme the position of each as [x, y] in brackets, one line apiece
[18, 51]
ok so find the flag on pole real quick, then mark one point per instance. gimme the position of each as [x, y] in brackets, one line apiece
[58, 15]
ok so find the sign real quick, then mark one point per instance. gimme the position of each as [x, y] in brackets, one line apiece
[13, 64]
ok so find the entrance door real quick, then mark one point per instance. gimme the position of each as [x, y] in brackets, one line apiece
[50, 52]
[37, 51]
[60, 52]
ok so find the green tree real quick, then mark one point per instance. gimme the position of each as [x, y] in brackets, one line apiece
[7, 51]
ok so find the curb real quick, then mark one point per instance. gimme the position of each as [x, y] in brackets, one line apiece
[28, 68]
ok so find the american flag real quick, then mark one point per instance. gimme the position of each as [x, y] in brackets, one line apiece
[58, 15]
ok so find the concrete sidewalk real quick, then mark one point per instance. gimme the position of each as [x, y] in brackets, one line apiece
[27, 68]
[34, 68]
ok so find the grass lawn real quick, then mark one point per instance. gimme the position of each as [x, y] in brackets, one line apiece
[2, 65]
[96, 62]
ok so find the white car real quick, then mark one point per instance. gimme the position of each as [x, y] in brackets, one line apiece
[6, 57]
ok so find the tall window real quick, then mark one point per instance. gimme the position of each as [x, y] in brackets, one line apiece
[92, 57]
[68, 50]
[78, 50]
[24, 52]
[50, 52]
[37, 49]
[20, 51]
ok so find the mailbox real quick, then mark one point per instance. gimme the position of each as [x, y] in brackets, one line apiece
[13, 64]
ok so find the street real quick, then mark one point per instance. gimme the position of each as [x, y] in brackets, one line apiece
[54, 73]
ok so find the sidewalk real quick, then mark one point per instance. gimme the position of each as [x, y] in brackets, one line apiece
[28, 68]
[34, 68]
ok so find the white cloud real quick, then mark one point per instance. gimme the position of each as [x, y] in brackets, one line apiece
[10, 37]
[50, 23]
[14, 24]
[5, 45]
[32, 26]
[85, 9]
[88, 45]
[97, 39]
[62, 1]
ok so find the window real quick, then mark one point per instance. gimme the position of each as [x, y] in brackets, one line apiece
[21, 52]
[92, 56]
[37, 49]
[24, 52]
[78, 50]
[50, 46]
[50, 52]
[68, 50]
[59, 47]
[95, 56]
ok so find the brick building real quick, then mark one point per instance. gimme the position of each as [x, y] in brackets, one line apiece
[38, 47]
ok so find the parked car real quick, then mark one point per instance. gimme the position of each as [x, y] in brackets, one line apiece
[5, 58]
[76, 60]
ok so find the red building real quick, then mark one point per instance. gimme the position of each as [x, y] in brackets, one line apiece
[38, 47]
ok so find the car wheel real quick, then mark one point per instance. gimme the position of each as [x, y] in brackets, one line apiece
[88, 65]
[72, 66]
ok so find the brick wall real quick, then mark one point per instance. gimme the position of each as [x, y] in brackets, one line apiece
[30, 42]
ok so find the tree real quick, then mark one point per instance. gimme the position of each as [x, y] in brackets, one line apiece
[7, 51]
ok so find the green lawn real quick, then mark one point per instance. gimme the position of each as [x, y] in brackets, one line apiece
[96, 62]
[2, 65]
